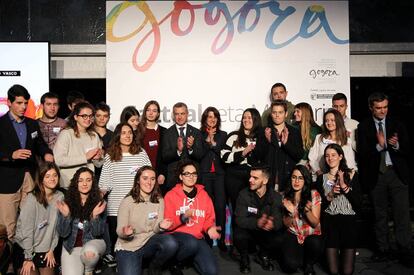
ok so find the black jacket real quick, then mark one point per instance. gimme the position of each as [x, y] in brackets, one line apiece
[250, 208]
[12, 171]
[369, 157]
[212, 153]
[281, 159]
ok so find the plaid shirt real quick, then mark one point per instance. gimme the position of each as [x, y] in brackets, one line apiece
[51, 130]
[300, 227]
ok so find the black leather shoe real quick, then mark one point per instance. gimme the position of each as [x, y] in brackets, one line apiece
[379, 256]
[309, 270]
[245, 264]
[264, 262]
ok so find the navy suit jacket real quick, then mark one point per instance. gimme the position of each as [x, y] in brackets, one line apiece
[369, 157]
[170, 155]
[12, 171]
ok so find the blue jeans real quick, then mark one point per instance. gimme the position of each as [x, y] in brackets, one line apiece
[160, 247]
[204, 259]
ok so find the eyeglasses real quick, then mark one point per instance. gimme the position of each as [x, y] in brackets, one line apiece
[295, 178]
[188, 174]
[85, 116]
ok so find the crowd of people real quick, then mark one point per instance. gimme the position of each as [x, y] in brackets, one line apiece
[77, 195]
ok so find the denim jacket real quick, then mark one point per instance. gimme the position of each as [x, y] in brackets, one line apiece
[68, 230]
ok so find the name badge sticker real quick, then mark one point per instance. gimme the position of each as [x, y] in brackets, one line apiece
[152, 215]
[80, 225]
[56, 130]
[34, 135]
[133, 170]
[42, 224]
[153, 143]
[252, 210]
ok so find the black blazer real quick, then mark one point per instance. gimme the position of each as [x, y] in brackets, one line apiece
[369, 157]
[12, 171]
[281, 159]
[169, 151]
[212, 153]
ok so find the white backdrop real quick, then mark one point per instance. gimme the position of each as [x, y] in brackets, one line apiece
[27, 64]
[225, 54]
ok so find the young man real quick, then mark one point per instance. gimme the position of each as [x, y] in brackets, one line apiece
[383, 147]
[181, 141]
[340, 103]
[278, 92]
[258, 218]
[280, 146]
[50, 124]
[20, 140]
[102, 115]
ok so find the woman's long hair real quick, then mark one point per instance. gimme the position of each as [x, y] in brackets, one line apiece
[306, 124]
[73, 197]
[72, 123]
[135, 192]
[340, 131]
[342, 164]
[257, 125]
[204, 116]
[144, 118]
[126, 114]
[305, 193]
[39, 189]
[114, 149]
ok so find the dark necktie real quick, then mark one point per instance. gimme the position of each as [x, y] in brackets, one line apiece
[383, 165]
[182, 132]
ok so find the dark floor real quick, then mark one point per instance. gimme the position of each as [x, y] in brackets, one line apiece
[363, 266]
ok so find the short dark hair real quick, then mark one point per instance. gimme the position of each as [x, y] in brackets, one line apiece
[265, 169]
[74, 96]
[376, 97]
[48, 95]
[279, 103]
[17, 90]
[277, 85]
[340, 96]
[103, 107]
[180, 105]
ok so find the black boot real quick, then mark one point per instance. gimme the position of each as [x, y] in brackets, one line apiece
[264, 262]
[245, 264]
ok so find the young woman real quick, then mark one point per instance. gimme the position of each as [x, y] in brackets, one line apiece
[302, 243]
[191, 212]
[140, 220]
[237, 153]
[122, 161]
[212, 170]
[341, 202]
[303, 116]
[131, 116]
[36, 235]
[81, 224]
[152, 138]
[78, 145]
[333, 131]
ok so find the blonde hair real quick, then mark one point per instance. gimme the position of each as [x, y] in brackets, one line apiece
[306, 124]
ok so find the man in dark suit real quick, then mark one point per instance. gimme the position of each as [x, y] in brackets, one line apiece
[20, 142]
[181, 141]
[383, 147]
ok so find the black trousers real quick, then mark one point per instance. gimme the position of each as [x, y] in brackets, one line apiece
[267, 241]
[391, 190]
[214, 185]
[294, 255]
[236, 180]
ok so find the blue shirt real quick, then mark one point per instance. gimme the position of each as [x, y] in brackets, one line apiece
[20, 128]
[388, 161]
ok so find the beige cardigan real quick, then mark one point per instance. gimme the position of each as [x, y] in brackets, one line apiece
[144, 217]
[70, 153]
